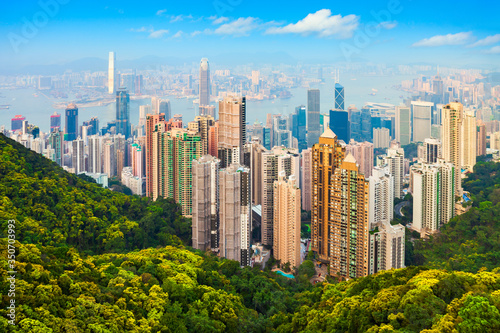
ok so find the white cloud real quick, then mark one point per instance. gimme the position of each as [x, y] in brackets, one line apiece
[322, 23]
[178, 18]
[219, 20]
[493, 50]
[178, 34]
[161, 12]
[239, 27]
[199, 32]
[487, 41]
[141, 29]
[449, 39]
[389, 24]
[157, 33]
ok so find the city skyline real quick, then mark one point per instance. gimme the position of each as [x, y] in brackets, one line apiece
[57, 31]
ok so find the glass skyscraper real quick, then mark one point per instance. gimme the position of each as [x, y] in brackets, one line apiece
[339, 124]
[339, 97]
[299, 126]
[71, 126]
[313, 109]
[123, 113]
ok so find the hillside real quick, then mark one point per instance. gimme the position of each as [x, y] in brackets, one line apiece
[92, 260]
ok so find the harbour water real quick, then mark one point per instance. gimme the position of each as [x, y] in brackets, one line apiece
[38, 107]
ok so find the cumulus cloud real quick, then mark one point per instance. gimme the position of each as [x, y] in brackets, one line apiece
[219, 20]
[322, 23]
[178, 18]
[157, 33]
[493, 50]
[161, 12]
[239, 27]
[442, 40]
[178, 34]
[487, 41]
[389, 24]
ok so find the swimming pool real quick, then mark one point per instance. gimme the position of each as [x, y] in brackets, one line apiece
[290, 276]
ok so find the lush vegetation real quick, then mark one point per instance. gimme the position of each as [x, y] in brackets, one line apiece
[484, 183]
[57, 208]
[93, 260]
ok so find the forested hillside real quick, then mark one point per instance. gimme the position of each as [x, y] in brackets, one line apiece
[92, 260]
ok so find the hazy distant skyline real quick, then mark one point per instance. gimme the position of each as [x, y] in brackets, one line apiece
[456, 33]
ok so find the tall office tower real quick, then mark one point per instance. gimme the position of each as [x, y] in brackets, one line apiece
[273, 162]
[204, 82]
[306, 178]
[151, 122]
[205, 219]
[381, 137]
[120, 162]
[381, 196]
[339, 97]
[17, 123]
[93, 126]
[286, 244]
[123, 113]
[451, 140]
[71, 125]
[109, 158]
[111, 74]
[164, 107]
[403, 125]
[253, 151]
[232, 130]
[138, 84]
[255, 78]
[481, 140]
[339, 124]
[173, 153]
[395, 160]
[348, 228]
[299, 126]
[143, 111]
[421, 120]
[55, 121]
[78, 156]
[204, 123]
[438, 86]
[56, 142]
[363, 154]
[433, 195]
[136, 160]
[313, 110]
[355, 120]
[431, 150]
[235, 213]
[366, 125]
[495, 141]
[468, 141]
[127, 81]
[327, 155]
[207, 110]
[213, 139]
[387, 248]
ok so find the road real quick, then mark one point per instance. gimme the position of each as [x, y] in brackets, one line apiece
[399, 206]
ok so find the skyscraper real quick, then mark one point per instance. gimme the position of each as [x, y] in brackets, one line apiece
[111, 73]
[235, 213]
[232, 130]
[327, 155]
[306, 183]
[313, 110]
[421, 120]
[17, 123]
[432, 150]
[433, 195]
[363, 154]
[468, 142]
[253, 160]
[204, 82]
[403, 125]
[339, 124]
[95, 153]
[56, 142]
[205, 226]
[387, 247]
[55, 121]
[78, 156]
[339, 97]
[173, 153]
[123, 113]
[366, 125]
[299, 126]
[286, 245]
[204, 123]
[273, 163]
[451, 137]
[381, 196]
[71, 125]
[348, 227]
[151, 122]
[395, 160]
[481, 140]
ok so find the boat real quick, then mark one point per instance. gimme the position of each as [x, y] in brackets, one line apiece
[4, 107]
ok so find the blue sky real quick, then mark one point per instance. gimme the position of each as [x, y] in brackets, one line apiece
[461, 33]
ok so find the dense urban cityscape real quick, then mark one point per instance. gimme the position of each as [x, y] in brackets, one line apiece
[157, 195]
